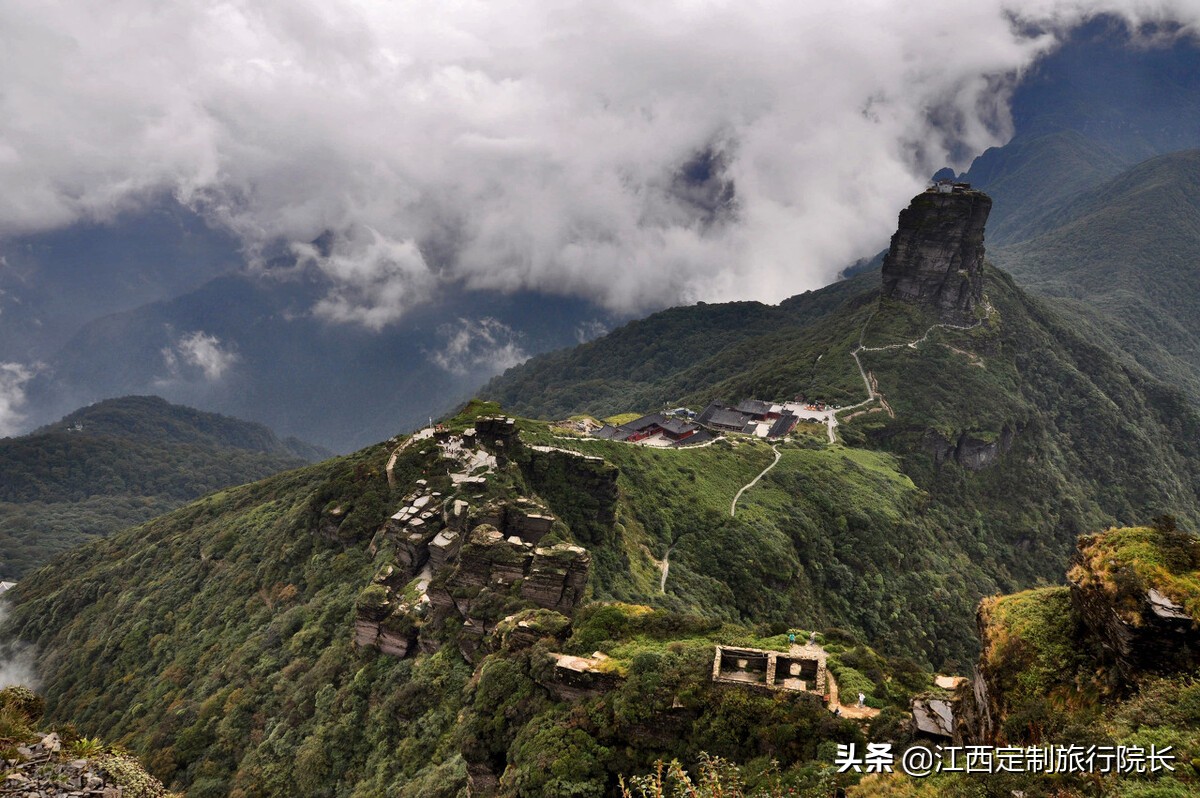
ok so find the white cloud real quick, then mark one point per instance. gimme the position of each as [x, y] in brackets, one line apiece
[13, 379]
[590, 330]
[516, 144]
[485, 344]
[375, 279]
[16, 661]
[200, 353]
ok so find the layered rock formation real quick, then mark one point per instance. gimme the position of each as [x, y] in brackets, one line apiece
[551, 577]
[1125, 603]
[1127, 615]
[936, 254]
[473, 555]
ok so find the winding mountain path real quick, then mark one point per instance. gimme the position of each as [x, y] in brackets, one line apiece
[873, 394]
[409, 441]
[666, 568]
[751, 483]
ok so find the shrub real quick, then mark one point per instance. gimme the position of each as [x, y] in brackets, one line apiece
[129, 774]
[23, 701]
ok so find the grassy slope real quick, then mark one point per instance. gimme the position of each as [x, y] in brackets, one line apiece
[830, 537]
[1165, 561]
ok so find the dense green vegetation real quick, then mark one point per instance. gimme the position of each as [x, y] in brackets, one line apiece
[685, 353]
[231, 669]
[118, 463]
[1062, 433]
[151, 418]
[1030, 175]
[1127, 248]
[1051, 682]
[832, 536]
[1125, 563]
[219, 635]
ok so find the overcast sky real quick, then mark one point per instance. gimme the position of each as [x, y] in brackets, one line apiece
[514, 144]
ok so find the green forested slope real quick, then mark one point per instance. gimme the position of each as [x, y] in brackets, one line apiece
[667, 355]
[216, 640]
[1101, 438]
[152, 418]
[1129, 250]
[121, 462]
[1031, 175]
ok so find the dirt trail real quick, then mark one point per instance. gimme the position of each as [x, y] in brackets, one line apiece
[666, 568]
[869, 379]
[391, 463]
[751, 483]
[846, 711]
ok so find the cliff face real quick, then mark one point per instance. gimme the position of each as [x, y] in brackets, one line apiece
[1126, 616]
[936, 254]
[473, 554]
[1136, 609]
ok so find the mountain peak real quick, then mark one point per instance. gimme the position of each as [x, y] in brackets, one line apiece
[936, 254]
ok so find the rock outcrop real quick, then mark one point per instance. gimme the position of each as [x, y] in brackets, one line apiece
[576, 678]
[1128, 614]
[969, 450]
[523, 517]
[582, 488]
[936, 254]
[550, 577]
[933, 716]
[474, 555]
[1141, 628]
[45, 770]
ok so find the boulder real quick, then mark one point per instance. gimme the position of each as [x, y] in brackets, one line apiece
[1141, 627]
[936, 255]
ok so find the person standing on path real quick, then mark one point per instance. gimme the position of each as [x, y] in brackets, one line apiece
[862, 699]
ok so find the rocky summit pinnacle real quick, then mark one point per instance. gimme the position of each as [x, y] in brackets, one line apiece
[936, 254]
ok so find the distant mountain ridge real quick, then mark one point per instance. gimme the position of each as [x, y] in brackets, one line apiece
[154, 419]
[1128, 248]
[338, 385]
[120, 462]
[1091, 109]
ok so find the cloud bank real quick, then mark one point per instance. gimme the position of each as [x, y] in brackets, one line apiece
[13, 379]
[486, 344]
[198, 355]
[16, 660]
[636, 155]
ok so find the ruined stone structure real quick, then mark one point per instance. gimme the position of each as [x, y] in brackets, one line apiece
[576, 678]
[468, 556]
[936, 254]
[801, 669]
